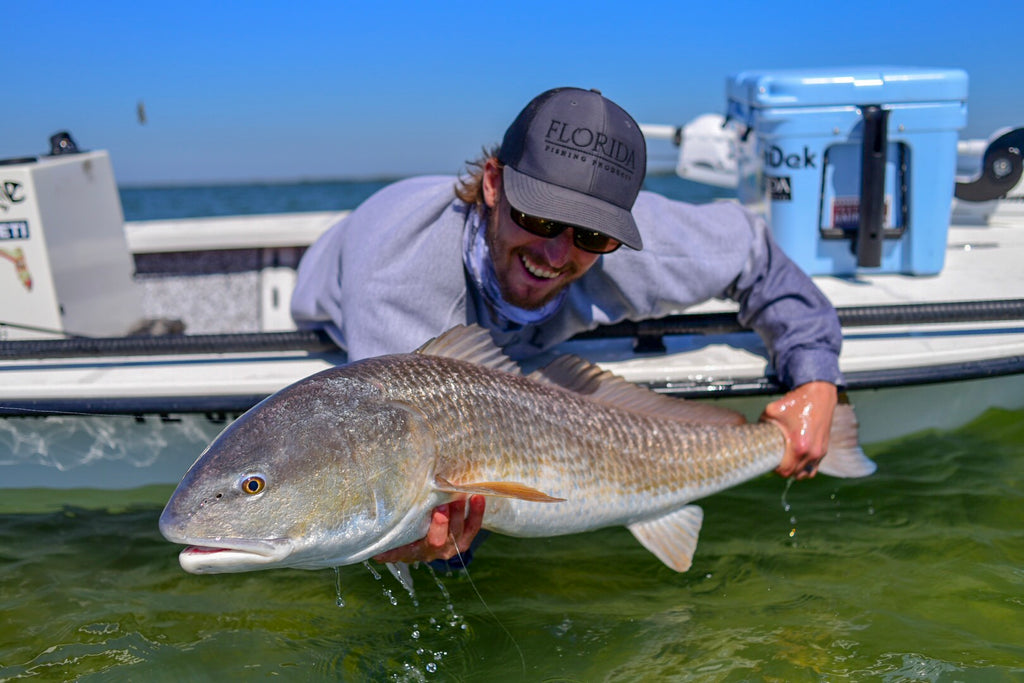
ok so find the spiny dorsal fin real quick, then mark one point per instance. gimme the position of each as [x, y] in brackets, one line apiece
[585, 378]
[502, 489]
[672, 537]
[470, 343]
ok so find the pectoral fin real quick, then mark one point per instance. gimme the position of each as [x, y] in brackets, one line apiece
[400, 570]
[672, 537]
[502, 489]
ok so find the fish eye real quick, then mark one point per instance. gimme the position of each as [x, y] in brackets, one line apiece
[254, 484]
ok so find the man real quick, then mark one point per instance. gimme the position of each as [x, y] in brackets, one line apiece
[524, 246]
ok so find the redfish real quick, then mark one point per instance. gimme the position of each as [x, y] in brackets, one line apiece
[349, 462]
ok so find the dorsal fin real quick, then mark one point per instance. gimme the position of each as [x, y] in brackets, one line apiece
[470, 343]
[585, 378]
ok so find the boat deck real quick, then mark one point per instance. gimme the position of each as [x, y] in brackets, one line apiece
[693, 365]
[996, 250]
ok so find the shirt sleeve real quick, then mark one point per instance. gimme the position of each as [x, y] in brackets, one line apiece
[782, 304]
[389, 276]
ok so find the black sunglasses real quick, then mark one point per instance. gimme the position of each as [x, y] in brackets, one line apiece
[588, 240]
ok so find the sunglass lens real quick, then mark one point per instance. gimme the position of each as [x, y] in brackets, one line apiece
[538, 226]
[591, 240]
[587, 240]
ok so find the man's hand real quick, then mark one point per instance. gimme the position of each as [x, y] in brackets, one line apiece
[451, 531]
[805, 416]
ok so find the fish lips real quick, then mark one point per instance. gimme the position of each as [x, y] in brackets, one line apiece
[222, 555]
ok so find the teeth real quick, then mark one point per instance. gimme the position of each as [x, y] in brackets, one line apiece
[537, 271]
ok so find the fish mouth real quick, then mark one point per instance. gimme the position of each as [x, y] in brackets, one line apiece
[222, 555]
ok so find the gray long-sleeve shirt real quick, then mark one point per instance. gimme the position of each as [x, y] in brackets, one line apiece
[390, 276]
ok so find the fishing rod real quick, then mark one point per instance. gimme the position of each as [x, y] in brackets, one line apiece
[312, 341]
[648, 334]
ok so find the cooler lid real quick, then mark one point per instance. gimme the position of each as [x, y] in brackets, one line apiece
[846, 86]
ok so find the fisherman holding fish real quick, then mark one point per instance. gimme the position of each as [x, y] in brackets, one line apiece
[528, 246]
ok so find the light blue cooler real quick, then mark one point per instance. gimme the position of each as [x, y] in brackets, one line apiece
[854, 168]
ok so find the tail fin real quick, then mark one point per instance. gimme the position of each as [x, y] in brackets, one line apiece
[844, 457]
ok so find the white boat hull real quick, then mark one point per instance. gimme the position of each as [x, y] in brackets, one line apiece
[158, 410]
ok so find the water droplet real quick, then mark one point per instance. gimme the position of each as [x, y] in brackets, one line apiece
[431, 667]
[339, 601]
[415, 635]
[785, 492]
[373, 571]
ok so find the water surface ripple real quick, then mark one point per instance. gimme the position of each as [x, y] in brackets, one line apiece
[914, 574]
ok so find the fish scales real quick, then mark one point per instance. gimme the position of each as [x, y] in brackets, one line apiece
[610, 465]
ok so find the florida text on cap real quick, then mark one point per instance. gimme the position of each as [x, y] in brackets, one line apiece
[576, 157]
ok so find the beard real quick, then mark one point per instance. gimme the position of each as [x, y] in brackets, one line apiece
[505, 257]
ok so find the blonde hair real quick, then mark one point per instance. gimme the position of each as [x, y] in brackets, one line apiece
[470, 186]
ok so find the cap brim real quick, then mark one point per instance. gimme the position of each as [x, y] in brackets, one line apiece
[557, 203]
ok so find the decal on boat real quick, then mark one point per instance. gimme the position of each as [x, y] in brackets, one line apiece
[17, 257]
[10, 193]
[14, 230]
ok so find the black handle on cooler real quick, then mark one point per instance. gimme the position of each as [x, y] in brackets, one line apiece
[868, 246]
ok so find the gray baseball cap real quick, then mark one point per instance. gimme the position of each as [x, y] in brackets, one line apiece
[576, 157]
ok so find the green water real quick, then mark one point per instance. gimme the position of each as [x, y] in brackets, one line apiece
[915, 574]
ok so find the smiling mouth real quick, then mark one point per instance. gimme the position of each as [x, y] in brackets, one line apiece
[536, 270]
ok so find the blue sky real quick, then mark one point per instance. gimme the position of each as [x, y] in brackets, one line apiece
[238, 91]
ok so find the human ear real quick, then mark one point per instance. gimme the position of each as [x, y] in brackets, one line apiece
[492, 182]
